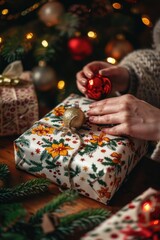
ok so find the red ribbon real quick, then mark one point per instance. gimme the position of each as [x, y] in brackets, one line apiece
[141, 232]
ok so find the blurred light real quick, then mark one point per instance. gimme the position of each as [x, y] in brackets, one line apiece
[116, 5]
[92, 34]
[5, 11]
[156, 222]
[29, 35]
[1, 39]
[146, 21]
[61, 84]
[135, 10]
[44, 43]
[111, 60]
[42, 63]
[120, 36]
[146, 206]
[77, 34]
[36, 5]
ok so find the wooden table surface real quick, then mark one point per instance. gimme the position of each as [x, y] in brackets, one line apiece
[146, 174]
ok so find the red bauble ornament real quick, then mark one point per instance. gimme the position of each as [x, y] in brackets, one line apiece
[149, 213]
[80, 48]
[98, 87]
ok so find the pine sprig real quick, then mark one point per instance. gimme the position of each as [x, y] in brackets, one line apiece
[11, 52]
[68, 25]
[66, 196]
[10, 213]
[80, 222]
[31, 187]
[95, 213]
[12, 235]
[4, 171]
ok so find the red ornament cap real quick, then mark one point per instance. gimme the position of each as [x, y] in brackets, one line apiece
[98, 87]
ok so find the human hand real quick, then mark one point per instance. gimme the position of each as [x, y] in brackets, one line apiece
[130, 116]
[118, 75]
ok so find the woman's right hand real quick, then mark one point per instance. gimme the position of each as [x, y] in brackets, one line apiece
[118, 75]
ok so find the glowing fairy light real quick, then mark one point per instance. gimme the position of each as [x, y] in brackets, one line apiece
[5, 11]
[92, 34]
[116, 5]
[111, 60]
[61, 84]
[29, 35]
[1, 40]
[146, 20]
[146, 206]
[44, 43]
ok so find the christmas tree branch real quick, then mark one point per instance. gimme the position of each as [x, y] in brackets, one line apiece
[31, 187]
[10, 213]
[80, 222]
[66, 196]
[95, 213]
[4, 171]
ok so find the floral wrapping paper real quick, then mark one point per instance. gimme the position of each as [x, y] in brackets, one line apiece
[18, 109]
[123, 225]
[93, 163]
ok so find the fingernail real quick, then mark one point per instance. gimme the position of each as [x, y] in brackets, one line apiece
[91, 106]
[83, 90]
[91, 119]
[84, 81]
[90, 74]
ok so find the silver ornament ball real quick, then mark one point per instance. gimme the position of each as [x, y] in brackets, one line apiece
[44, 77]
[51, 12]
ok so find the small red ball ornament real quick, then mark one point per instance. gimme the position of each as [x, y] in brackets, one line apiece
[149, 213]
[98, 87]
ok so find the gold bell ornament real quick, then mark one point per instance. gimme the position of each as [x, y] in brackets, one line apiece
[73, 117]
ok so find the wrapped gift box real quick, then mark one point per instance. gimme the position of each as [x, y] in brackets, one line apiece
[124, 225]
[89, 161]
[18, 109]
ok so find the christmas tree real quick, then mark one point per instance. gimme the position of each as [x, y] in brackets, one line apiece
[55, 39]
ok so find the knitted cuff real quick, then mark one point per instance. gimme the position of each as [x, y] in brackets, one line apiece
[133, 81]
[156, 153]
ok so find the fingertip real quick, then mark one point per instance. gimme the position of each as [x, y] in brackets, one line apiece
[90, 74]
[91, 105]
[83, 81]
[83, 90]
[108, 131]
[91, 119]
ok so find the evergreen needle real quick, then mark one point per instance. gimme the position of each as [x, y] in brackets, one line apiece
[26, 189]
[66, 196]
[4, 171]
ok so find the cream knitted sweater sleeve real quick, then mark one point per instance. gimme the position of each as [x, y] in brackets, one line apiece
[144, 69]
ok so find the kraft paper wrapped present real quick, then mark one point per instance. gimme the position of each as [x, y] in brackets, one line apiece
[89, 161]
[18, 103]
[126, 225]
